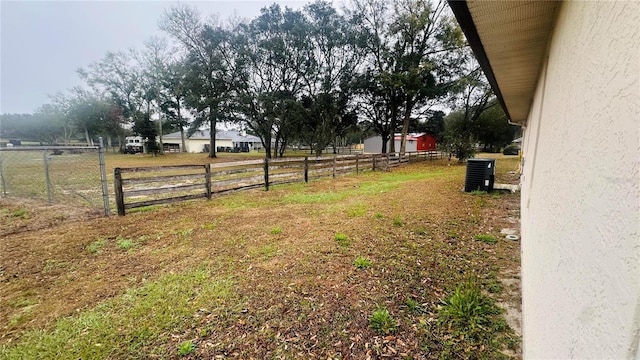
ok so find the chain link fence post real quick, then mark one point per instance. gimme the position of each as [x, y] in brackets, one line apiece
[103, 178]
[3, 180]
[46, 176]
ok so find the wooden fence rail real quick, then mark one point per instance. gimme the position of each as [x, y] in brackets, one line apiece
[145, 186]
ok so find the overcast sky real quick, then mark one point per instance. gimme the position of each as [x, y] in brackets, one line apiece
[43, 43]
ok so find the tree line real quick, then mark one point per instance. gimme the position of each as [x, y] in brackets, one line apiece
[314, 76]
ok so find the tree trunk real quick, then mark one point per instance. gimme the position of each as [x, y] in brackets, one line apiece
[392, 130]
[86, 136]
[184, 145]
[385, 139]
[212, 133]
[161, 150]
[405, 128]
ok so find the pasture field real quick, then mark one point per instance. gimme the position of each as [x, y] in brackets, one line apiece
[382, 264]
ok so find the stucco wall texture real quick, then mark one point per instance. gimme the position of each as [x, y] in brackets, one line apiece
[581, 189]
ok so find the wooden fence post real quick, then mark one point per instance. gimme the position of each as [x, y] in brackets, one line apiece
[117, 184]
[374, 162]
[306, 169]
[334, 167]
[357, 163]
[266, 174]
[207, 175]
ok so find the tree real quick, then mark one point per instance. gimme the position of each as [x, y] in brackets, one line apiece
[273, 60]
[174, 83]
[211, 65]
[472, 99]
[118, 77]
[334, 54]
[414, 50]
[492, 129]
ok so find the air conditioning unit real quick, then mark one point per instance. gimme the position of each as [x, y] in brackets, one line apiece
[480, 175]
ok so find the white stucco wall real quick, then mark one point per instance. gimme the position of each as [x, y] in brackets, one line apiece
[581, 189]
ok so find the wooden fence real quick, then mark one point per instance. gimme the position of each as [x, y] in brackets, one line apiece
[145, 186]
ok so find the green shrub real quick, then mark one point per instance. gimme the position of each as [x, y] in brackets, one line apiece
[382, 322]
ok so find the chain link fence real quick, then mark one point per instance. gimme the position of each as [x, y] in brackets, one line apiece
[72, 176]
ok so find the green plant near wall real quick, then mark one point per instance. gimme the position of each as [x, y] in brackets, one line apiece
[470, 313]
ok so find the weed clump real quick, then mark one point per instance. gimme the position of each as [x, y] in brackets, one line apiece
[125, 243]
[186, 348]
[473, 322]
[362, 263]
[342, 240]
[96, 246]
[276, 230]
[382, 322]
[489, 239]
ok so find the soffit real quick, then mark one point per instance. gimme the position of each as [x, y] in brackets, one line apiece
[514, 36]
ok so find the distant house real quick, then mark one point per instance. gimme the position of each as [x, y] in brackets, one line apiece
[415, 142]
[226, 141]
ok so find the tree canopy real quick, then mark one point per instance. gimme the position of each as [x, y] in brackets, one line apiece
[317, 76]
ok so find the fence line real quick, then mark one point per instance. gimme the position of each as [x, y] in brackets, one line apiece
[56, 174]
[145, 186]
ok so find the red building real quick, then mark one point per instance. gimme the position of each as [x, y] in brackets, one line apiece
[417, 142]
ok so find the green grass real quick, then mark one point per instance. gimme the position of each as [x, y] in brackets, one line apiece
[275, 230]
[382, 322]
[472, 320]
[378, 216]
[421, 231]
[125, 243]
[143, 209]
[121, 327]
[264, 252]
[186, 348]
[362, 263]
[342, 239]
[478, 192]
[489, 239]
[412, 304]
[357, 211]
[397, 221]
[96, 246]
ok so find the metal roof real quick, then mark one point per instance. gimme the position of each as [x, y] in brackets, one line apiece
[509, 39]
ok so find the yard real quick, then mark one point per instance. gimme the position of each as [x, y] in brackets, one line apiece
[379, 264]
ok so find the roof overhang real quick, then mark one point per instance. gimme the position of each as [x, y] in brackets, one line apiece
[509, 39]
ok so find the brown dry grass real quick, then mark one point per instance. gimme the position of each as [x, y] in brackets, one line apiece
[296, 293]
